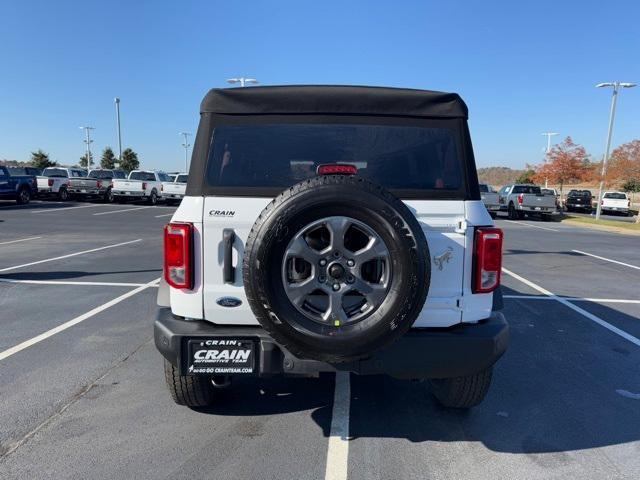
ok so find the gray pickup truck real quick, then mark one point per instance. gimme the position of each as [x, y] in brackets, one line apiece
[520, 199]
[490, 199]
[97, 184]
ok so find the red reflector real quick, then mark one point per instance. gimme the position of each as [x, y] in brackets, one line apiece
[51, 182]
[178, 255]
[336, 169]
[520, 198]
[487, 259]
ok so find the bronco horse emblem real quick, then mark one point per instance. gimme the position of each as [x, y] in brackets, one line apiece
[443, 258]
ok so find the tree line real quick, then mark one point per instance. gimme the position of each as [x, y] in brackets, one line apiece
[108, 160]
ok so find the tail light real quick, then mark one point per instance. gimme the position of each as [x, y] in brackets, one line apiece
[51, 182]
[98, 184]
[178, 255]
[487, 259]
[144, 185]
[336, 169]
[520, 199]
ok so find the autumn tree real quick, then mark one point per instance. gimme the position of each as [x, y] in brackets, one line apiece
[108, 159]
[41, 160]
[565, 163]
[624, 163]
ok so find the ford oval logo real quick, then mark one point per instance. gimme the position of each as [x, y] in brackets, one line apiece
[229, 302]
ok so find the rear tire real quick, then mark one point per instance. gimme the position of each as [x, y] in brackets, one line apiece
[153, 198]
[108, 196]
[512, 213]
[24, 196]
[187, 390]
[63, 195]
[462, 392]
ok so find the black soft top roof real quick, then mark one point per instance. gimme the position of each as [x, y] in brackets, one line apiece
[325, 99]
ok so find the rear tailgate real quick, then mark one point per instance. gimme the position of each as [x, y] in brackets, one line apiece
[174, 188]
[83, 183]
[617, 203]
[535, 202]
[127, 185]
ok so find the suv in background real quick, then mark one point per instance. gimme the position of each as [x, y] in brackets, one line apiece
[578, 200]
[315, 222]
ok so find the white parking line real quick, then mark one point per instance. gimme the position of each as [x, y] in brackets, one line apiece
[606, 259]
[573, 299]
[69, 255]
[60, 328]
[125, 210]
[64, 282]
[64, 209]
[338, 450]
[165, 215]
[533, 226]
[564, 301]
[19, 240]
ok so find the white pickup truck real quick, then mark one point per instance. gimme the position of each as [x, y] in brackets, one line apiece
[174, 191]
[140, 185]
[300, 247]
[54, 181]
[490, 198]
[521, 199]
[615, 202]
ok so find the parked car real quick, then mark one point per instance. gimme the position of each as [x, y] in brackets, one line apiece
[521, 199]
[54, 181]
[97, 184]
[21, 188]
[490, 199]
[578, 200]
[173, 191]
[140, 185]
[283, 261]
[15, 171]
[616, 202]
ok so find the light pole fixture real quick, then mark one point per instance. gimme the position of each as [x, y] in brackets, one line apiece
[186, 146]
[242, 81]
[117, 102]
[549, 135]
[88, 141]
[617, 86]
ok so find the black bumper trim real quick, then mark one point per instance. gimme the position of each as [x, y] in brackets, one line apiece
[461, 350]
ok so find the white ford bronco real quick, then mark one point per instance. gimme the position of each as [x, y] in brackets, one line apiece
[331, 228]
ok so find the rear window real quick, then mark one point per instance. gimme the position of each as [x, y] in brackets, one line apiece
[165, 178]
[118, 174]
[100, 174]
[182, 178]
[531, 189]
[615, 196]
[403, 158]
[55, 172]
[484, 188]
[580, 193]
[145, 176]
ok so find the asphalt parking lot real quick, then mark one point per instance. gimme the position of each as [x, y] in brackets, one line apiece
[83, 394]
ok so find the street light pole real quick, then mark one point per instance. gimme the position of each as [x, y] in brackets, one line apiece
[549, 135]
[243, 81]
[88, 141]
[186, 146]
[612, 114]
[117, 102]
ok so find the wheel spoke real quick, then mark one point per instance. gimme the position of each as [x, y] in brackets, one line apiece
[301, 249]
[374, 293]
[337, 227]
[298, 292]
[335, 311]
[375, 249]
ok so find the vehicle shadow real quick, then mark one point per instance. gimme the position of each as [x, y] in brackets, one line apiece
[553, 391]
[66, 275]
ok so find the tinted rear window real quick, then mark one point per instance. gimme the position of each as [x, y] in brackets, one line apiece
[182, 178]
[145, 176]
[580, 193]
[280, 155]
[531, 189]
[615, 196]
[484, 188]
[55, 172]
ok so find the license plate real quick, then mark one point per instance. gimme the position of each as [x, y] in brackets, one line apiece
[218, 356]
[538, 208]
[83, 191]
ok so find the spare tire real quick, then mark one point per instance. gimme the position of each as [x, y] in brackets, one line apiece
[336, 268]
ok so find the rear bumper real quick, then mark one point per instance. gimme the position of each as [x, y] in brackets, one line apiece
[86, 191]
[126, 193]
[421, 353]
[177, 196]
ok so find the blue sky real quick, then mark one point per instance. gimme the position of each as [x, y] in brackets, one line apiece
[522, 67]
